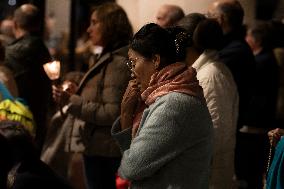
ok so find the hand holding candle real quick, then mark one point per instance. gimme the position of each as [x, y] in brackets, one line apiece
[69, 86]
[62, 93]
[52, 70]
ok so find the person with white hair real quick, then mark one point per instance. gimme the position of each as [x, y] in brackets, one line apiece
[169, 15]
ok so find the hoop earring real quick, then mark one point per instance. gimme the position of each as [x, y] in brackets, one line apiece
[156, 66]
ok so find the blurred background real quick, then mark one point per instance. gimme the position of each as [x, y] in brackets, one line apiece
[66, 21]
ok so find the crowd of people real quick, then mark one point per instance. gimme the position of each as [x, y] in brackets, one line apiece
[187, 102]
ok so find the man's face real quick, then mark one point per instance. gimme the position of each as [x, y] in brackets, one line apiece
[163, 18]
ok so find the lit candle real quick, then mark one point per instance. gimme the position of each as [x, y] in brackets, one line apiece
[52, 69]
[65, 86]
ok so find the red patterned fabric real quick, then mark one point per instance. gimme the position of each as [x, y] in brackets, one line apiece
[176, 77]
[173, 78]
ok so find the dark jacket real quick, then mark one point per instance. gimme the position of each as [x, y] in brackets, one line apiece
[25, 57]
[19, 159]
[262, 106]
[237, 55]
[37, 174]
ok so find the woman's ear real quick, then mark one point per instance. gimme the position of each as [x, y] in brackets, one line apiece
[157, 61]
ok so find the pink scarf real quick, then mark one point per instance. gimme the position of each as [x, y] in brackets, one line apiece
[176, 77]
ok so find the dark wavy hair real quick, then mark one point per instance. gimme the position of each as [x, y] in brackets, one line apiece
[116, 28]
[182, 40]
[208, 35]
[203, 33]
[151, 40]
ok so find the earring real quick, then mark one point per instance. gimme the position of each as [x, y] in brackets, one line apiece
[156, 61]
[156, 66]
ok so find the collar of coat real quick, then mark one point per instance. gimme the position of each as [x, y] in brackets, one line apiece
[204, 58]
[103, 60]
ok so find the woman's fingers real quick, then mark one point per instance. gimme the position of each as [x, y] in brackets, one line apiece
[56, 93]
[59, 95]
[131, 89]
[131, 94]
[69, 87]
[129, 104]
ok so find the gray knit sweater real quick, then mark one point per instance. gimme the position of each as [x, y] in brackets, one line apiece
[173, 146]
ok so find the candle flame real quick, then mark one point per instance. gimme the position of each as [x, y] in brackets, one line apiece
[52, 69]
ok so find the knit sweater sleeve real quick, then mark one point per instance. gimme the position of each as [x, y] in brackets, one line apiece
[122, 136]
[163, 135]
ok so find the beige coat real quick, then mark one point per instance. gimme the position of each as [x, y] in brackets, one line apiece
[222, 99]
[96, 105]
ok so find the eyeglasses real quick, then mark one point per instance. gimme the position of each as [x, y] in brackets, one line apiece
[131, 63]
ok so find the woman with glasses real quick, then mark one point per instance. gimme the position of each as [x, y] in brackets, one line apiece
[96, 104]
[165, 130]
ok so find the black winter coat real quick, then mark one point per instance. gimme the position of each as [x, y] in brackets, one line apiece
[25, 57]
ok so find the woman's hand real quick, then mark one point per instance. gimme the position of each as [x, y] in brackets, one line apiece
[275, 135]
[70, 87]
[129, 104]
[62, 93]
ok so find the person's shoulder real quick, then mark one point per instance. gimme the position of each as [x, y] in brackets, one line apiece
[186, 108]
[237, 47]
[25, 42]
[218, 69]
[28, 39]
[35, 40]
[179, 100]
[209, 69]
[122, 51]
[40, 176]
[120, 56]
[265, 56]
